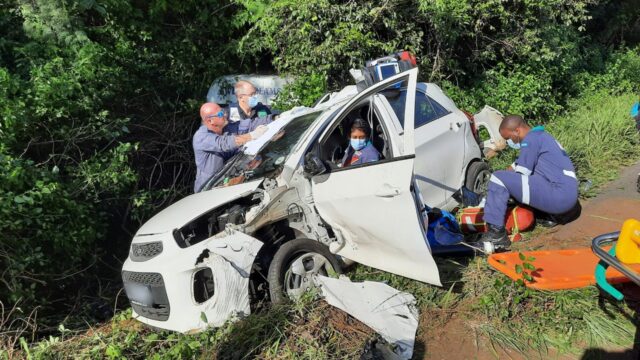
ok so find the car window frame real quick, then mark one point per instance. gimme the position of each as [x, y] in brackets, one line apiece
[324, 136]
[439, 110]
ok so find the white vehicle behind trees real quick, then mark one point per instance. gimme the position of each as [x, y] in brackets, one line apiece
[281, 210]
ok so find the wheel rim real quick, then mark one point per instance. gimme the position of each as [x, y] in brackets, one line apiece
[481, 182]
[299, 275]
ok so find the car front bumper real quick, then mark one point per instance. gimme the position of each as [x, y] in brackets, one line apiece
[162, 289]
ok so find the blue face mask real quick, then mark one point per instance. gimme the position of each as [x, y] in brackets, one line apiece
[253, 101]
[513, 145]
[358, 144]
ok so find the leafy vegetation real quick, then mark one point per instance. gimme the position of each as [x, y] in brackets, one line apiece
[98, 102]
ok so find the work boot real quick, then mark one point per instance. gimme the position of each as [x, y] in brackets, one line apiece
[546, 223]
[497, 235]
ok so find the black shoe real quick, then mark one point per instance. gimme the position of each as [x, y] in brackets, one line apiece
[546, 223]
[497, 235]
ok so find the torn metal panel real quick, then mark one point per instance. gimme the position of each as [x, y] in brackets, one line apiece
[388, 311]
[231, 262]
[490, 119]
[229, 256]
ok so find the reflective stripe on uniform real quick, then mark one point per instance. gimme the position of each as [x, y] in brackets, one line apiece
[494, 179]
[522, 170]
[525, 190]
[569, 174]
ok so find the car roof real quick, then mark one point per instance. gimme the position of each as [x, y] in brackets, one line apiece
[434, 92]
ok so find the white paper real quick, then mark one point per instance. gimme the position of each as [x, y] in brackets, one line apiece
[254, 146]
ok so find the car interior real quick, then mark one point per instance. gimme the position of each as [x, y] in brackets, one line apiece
[333, 148]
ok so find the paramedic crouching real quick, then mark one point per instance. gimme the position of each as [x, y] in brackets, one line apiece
[213, 144]
[543, 177]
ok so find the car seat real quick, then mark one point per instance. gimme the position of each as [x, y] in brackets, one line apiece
[379, 141]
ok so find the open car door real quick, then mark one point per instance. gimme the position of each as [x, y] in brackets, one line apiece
[371, 206]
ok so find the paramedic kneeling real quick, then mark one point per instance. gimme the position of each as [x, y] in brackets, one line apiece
[360, 149]
[212, 145]
[543, 177]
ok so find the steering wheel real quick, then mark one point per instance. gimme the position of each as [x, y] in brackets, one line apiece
[336, 149]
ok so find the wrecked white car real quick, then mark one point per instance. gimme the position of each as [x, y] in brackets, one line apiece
[282, 211]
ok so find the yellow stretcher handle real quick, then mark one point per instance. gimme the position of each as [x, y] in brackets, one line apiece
[628, 246]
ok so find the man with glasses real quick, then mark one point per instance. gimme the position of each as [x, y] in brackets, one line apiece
[247, 108]
[213, 144]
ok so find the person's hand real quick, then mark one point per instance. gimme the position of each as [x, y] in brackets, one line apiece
[259, 131]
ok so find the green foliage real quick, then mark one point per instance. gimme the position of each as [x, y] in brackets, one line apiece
[304, 91]
[323, 36]
[308, 329]
[598, 134]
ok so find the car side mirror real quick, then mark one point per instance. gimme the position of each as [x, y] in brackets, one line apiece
[313, 166]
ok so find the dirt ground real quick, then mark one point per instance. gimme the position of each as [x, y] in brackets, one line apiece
[454, 338]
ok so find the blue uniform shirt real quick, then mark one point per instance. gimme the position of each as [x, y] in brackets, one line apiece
[240, 122]
[367, 154]
[542, 154]
[210, 150]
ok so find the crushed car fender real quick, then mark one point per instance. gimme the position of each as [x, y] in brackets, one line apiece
[390, 312]
[230, 260]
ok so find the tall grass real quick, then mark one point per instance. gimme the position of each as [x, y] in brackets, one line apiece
[598, 134]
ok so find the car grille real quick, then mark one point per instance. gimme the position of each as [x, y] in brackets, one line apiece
[157, 306]
[145, 251]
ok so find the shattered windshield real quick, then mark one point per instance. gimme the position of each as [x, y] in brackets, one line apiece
[269, 161]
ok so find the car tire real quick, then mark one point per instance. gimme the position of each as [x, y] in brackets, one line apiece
[478, 175]
[281, 276]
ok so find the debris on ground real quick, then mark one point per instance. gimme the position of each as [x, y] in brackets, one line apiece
[388, 311]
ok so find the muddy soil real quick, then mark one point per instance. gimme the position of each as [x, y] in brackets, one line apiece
[451, 336]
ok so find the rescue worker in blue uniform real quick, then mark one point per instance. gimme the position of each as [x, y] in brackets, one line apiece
[360, 149]
[246, 109]
[542, 177]
[213, 144]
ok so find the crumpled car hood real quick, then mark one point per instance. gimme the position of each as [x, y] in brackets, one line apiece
[190, 207]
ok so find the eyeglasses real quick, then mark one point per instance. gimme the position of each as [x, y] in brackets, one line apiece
[218, 114]
[249, 95]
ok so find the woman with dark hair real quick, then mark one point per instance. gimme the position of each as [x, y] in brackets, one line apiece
[360, 149]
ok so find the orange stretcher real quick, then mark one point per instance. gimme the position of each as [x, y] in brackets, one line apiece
[557, 269]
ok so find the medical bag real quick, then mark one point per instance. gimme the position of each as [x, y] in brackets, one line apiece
[519, 218]
[385, 67]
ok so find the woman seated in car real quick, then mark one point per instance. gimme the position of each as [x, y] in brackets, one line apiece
[360, 150]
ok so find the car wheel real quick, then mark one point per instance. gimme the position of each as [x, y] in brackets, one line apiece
[478, 176]
[294, 265]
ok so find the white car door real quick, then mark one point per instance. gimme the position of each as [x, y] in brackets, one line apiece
[371, 207]
[440, 150]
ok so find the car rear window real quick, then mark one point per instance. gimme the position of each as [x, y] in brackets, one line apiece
[426, 109]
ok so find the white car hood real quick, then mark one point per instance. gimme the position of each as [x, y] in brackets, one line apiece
[192, 206]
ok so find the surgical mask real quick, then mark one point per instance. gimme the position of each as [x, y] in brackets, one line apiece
[358, 144]
[253, 101]
[513, 145]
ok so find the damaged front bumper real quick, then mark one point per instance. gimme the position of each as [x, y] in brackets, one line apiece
[190, 289]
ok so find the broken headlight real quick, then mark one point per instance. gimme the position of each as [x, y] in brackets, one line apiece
[145, 251]
[214, 221]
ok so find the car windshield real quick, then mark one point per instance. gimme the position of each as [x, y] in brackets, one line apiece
[269, 161]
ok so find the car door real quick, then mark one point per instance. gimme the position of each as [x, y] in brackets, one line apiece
[440, 150]
[371, 206]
